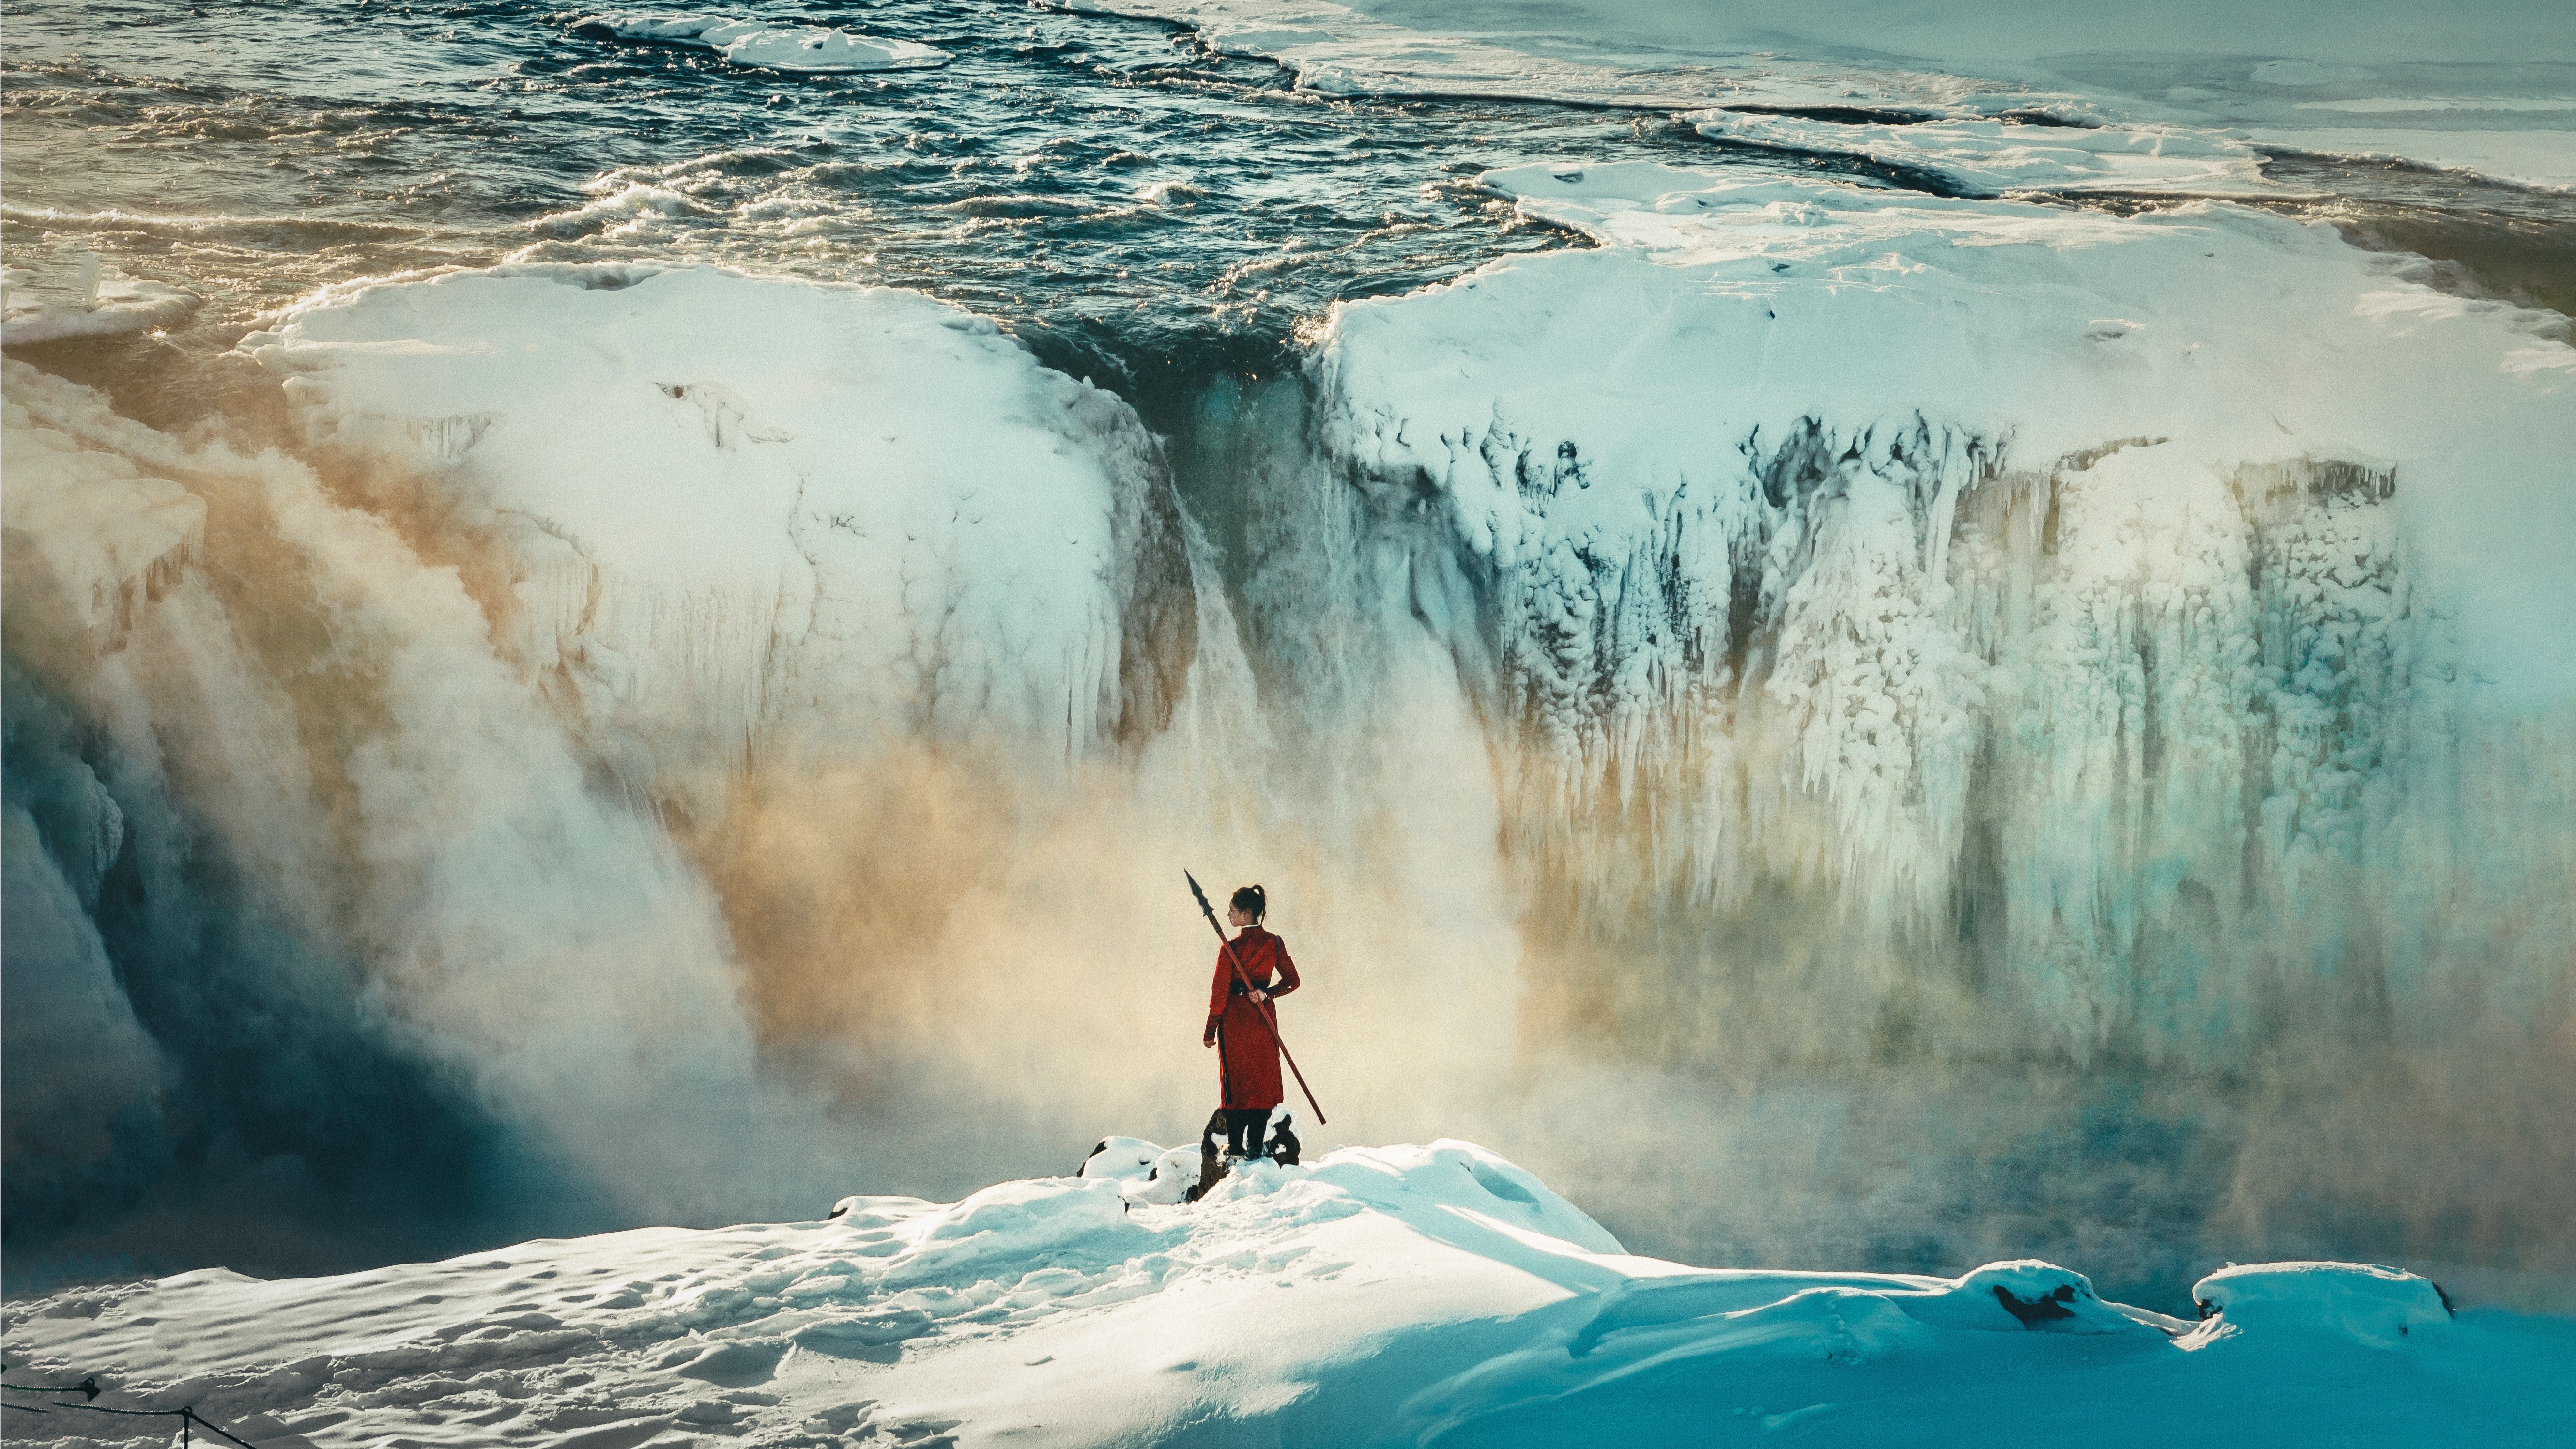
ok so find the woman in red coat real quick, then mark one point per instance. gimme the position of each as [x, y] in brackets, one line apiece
[1247, 1051]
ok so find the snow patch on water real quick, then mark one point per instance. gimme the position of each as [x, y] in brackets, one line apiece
[766, 45]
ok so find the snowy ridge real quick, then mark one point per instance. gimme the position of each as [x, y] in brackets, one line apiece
[899, 526]
[1400, 1295]
[1803, 552]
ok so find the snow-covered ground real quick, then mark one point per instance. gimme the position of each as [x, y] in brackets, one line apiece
[2489, 90]
[1401, 1295]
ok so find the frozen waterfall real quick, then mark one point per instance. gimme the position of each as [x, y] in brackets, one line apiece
[652, 715]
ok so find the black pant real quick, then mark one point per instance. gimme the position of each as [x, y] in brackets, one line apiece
[1246, 1128]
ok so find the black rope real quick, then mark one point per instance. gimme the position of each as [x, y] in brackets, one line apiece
[188, 1417]
[87, 1388]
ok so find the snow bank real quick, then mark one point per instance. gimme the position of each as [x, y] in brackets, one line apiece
[721, 514]
[2368, 1304]
[763, 45]
[1400, 1295]
[1803, 527]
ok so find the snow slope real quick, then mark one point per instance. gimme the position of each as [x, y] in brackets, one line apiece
[1402, 1295]
[2232, 72]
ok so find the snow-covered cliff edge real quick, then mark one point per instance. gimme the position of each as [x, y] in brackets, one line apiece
[1399, 1295]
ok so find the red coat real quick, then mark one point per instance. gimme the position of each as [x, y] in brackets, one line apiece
[1247, 1054]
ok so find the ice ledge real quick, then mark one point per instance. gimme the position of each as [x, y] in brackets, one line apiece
[108, 536]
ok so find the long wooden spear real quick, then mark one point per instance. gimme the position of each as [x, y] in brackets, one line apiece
[1245, 979]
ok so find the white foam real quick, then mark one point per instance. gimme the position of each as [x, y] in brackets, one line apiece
[528, 932]
[797, 49]
[807, 50]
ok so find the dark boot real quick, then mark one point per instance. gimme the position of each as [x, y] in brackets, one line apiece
[1211, 1158]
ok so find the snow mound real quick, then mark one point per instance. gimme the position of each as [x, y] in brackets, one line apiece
[1987, 158]
[1400, 1295]
[721, 515]
[108, 304]
[2366, 1303]
[765, 45]
[109, 535]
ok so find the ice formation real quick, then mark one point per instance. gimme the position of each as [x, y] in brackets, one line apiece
[897, 525]
[108, 536]
[1849, 543]
[1986, 158]
[1411, 1295]
[108, 304]
[767, 45]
